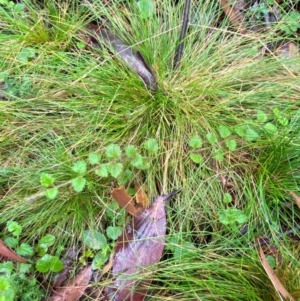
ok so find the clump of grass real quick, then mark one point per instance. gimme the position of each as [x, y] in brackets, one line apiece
[64, 101]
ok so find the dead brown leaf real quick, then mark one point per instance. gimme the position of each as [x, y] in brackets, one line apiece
[7, 252]
[295, 197]
[234, 14]
[274, 279]
[141, 197]
[125, 200]
[75, 288]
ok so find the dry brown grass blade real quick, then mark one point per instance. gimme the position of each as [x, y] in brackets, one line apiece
[295, 197]
[274, 279]
[7, 252]
[75, 288]
[109, 265]
[235, 16]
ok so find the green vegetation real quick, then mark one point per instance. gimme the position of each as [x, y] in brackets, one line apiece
[224, 126]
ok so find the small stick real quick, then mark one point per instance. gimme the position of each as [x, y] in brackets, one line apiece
[185, 22]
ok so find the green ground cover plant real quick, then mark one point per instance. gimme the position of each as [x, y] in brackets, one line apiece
[75, 121]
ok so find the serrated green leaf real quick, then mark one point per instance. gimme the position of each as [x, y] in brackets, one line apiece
[6, 267]
[94, 158]
[102, 171]
[25, 250]
[126, 176]
[11, 242]
[79, 167]
[219, 155]
[78, 184]
[151, 145]
[240, 130]
[113, 151]
[14, 228]
[271, 129]
[24, 268]
[113, 232]
[230, 216]
[251, 134]
[224, 131]
[212, 138]
[47, 240]
[138, 160]
[146, 8]
[196, 158]
[227, 198]
[261, 116]
[46, 179]
[195, 142]
[115, 169]
[231, 144]
[94, 240]
[99, 260]
[131, 151]
[51, 193]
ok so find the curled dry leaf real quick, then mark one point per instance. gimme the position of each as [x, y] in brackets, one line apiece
[295, 197]
[125, 200]
[233, 12]
[10, 254]
[75, 288]
[132, 205]
[141, 197]
[274, 279]
[140, 245]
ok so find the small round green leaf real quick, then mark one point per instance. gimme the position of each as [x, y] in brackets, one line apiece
[78, 184]
[227, 198]
[271, 129]
[51, 193]
[131, 151]
[261, 116]
[196, 158]
[113, 232]
[55, 264]
[14, 228]
[231, 144]
[219, 155]
[25, 250]
[99, 260]
[151, 145]
[114, 169]
[251, 134]
[46, 179]
[113, 151]
[195, 142]
[94, 239]
[212, 138]
[47, 240]
[11, 242]
[94, 158]
[224, 131]
[102, 171]
[79, 167]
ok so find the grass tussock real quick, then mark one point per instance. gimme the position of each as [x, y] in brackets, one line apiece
[64, 99]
